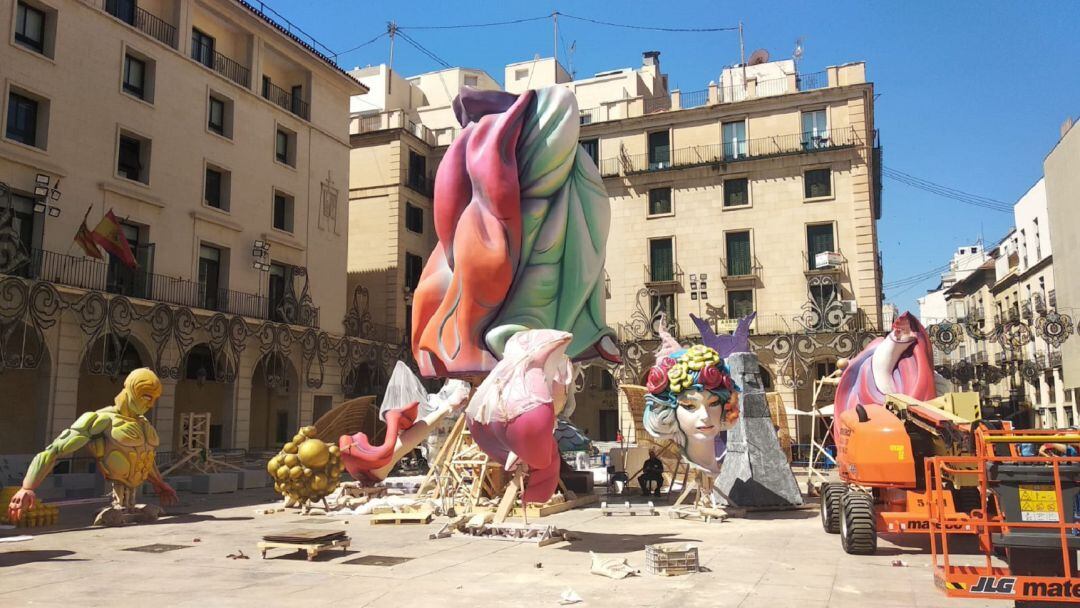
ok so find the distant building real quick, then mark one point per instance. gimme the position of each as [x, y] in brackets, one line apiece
[966, 260]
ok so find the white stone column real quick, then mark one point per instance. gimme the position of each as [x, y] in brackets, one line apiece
[242, 401]
[68, 361]
[163, 414]
[1059, 386]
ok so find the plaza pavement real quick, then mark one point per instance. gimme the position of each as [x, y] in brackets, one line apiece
[766, 559]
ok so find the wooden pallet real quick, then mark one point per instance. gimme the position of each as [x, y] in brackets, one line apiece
[312, 549]
[417, 517]
[627, 508]
[705, 514]
[537, 534]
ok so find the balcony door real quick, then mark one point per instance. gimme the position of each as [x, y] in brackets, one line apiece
[734, 137]
[661, 260]
[27, 226]
[132, 282]
[281, 276]
[659, 150]
[738, 254]
[210, 296]
[417, 170]
[123, 10]
[819, 239]
[815, 129]
[202, 47]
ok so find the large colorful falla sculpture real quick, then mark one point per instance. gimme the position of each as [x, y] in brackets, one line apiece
[515, 285]
[122, 441]
[691, 399]
[900, 362]
[522, 219]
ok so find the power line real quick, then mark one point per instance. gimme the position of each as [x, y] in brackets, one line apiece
[472, 25]
[431, 55]
[652, 27]
[355, 48]
[946, 192]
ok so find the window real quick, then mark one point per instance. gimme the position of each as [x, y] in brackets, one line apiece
[736, 192]
[819, 239]
[521, 74]
[123, 10]
[417, 172]
[133, 158]
[202, 48]
[22, 120]
[815, 129]
[817, 183]
[135, 76]
[29, 229]
[210, 292]
[30, 27]
[660, 201]
[217, 187]
[661, 260]
[734, 136]
[592, 148]
[285, 146]
[659, 150]
[471, 81]
[414, 218]
[219, 116]
[414, 267]
[740, 303]
[283, 211]
[738, 253]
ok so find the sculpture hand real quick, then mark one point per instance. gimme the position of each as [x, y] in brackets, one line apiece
[166, 495]
[20, 503]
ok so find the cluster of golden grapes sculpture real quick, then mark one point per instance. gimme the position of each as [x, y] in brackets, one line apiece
[306, 469]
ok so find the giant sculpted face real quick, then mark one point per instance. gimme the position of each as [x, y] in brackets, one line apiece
[522, 220]
[691, 400]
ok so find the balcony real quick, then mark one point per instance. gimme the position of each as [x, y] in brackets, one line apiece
[206, 55]
[1040, 360]
[418, 182]
[1052, 298]
[663, 278]
[740, 272]
[716, 154]
[397, 119]
[1040, 304]
[86, 273]
[979, 357]
[999, 358]
[286, 100]
[147, 23]
[1025, 311]
[1054, 358]
[694, 99]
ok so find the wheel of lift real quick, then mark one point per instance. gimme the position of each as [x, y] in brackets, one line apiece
[858, 526]
[831, 493]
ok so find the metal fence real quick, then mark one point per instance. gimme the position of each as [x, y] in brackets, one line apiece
[694, 99]
[286, 100]
[206, 55]
[144, 21]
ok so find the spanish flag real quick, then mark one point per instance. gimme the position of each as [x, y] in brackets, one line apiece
[110, 236]
[85, 240]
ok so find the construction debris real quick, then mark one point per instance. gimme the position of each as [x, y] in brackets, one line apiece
[612, 567]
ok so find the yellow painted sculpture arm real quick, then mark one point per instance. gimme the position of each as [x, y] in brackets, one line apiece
[88, 426]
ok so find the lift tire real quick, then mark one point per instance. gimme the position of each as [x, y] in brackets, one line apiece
[858, 525]
[831, 493]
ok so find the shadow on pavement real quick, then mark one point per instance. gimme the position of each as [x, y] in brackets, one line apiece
[18, 558]
[619, 543]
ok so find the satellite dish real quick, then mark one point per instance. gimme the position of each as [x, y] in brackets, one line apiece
[758, 57]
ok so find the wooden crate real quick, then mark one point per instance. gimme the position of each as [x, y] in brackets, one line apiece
[414, 517]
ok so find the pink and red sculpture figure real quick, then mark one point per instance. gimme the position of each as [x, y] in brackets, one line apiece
[522, 219]
[512, 416]
[901, 362]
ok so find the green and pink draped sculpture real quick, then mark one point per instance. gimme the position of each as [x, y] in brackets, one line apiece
[522, 219]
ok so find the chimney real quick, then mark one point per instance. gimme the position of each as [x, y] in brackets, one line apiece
[651, 58]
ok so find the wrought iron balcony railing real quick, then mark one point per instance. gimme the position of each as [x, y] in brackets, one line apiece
[748, 149]
[1025, 311]
[421, 183]
[694, 99]
[663, 274]
[286, 100]
[206, 55]
[144, 21]
[740, 270]
[86, 273]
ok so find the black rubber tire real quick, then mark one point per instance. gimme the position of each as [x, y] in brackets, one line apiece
[831, 493]
[858, 525]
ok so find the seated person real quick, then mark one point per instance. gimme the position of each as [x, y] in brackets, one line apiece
[652, 474]
[1057, 449]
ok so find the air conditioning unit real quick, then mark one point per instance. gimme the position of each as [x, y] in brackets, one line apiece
[828, 259]
[849, 306]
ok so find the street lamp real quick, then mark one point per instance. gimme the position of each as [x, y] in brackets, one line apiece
[699, 288]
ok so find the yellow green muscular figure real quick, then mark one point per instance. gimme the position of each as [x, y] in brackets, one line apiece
[122, 441]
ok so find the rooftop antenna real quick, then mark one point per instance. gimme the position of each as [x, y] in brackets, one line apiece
[798, 52]
[742, 52]
[555, 40]
[759, 57]
[570, 58]
[391, 28]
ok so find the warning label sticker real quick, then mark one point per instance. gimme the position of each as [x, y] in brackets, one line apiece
[1038, 503]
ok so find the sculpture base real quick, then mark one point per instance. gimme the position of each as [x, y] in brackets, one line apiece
[138, 514]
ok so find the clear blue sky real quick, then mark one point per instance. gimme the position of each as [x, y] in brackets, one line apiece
[970, 95]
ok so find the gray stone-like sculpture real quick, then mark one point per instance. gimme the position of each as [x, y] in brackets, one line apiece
[755, 472]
